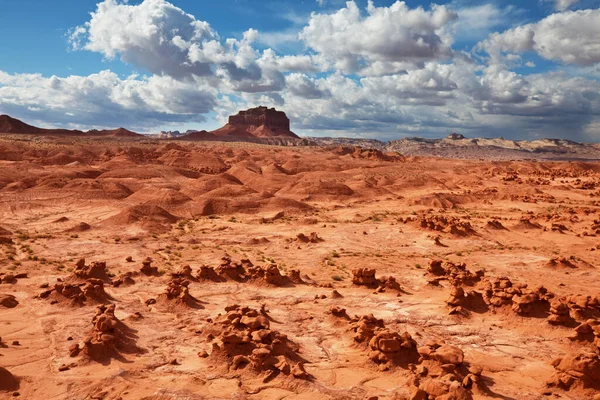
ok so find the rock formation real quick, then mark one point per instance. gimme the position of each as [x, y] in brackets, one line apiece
[366, 277]
[244, 337]
[108, 338]
[259, 122]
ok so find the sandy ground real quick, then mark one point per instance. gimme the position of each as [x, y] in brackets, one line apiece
[193, 204]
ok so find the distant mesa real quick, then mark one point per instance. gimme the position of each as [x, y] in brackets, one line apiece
[259, 122]
[14, 126]
[456, 136]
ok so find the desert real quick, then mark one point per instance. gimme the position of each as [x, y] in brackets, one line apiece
[161, 269]
[300, 200]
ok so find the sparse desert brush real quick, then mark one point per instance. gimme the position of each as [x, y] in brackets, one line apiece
[23, 236]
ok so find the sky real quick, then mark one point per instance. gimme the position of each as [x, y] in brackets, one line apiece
[371, 69]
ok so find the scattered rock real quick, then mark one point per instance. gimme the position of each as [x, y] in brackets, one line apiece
[8, 301]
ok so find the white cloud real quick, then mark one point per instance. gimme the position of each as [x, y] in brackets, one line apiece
[163, 39]
[104, 100]
[394, 34]
[571, 37]
[562, 5]
[475, 22]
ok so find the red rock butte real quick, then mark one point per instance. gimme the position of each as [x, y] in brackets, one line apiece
[261, 122]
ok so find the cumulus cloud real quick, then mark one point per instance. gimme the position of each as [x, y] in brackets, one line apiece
[164, 40]
[104, 100]
[570, 37]
[394, 34]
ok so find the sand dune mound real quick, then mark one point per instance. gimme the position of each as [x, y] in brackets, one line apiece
[86, 189]
[80, 227]
[147, 172]
[204, 185]
[148, 216]
[201, 162]
[525, 223]
[320, 190]
[142, 213]
[168, 199]
[495, 224]
[249, 205]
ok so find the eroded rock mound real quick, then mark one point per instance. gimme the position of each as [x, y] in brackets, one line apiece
[442, 223]
[387, 348]
[438, 367]
[96, 270]
[461, 301]
[366, 277]
[77, 294]
[243, 336]
[245, 271]
[178, 293]
[577, 369]
[559, 313]
[185, 273]
[588, 331]
[124, 279]
[147, 268]
[109, 337]
[501, 291]
[456, 274]
[312, 238]
[440, 373]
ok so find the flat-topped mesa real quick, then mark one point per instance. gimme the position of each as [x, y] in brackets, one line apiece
[269, 117]
[256, 123]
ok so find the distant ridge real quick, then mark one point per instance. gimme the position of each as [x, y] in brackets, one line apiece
[10, 125]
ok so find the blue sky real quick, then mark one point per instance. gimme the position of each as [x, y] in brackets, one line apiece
[33, 35]
[483, 68]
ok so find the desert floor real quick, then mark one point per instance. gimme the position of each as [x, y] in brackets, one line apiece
[181, 204]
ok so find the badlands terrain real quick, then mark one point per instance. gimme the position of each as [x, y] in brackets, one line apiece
[133, 268]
